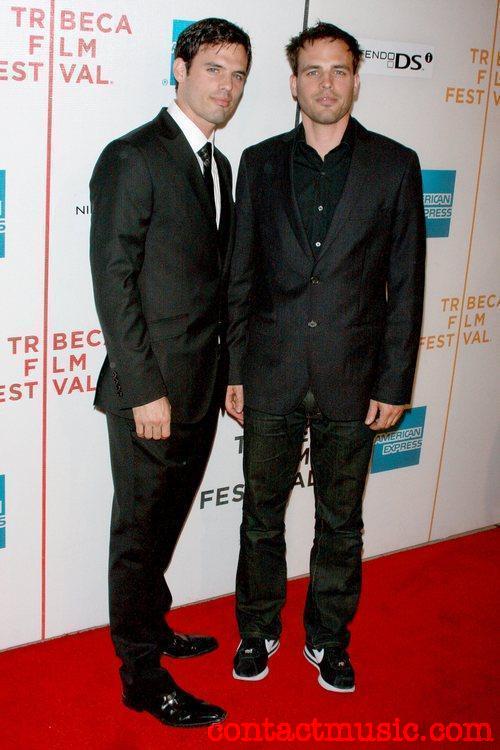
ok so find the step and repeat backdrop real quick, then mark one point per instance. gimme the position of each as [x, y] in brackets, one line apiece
[74, 74]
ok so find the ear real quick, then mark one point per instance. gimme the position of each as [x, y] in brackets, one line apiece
[293, 85]
[356, 85]
[180, 70]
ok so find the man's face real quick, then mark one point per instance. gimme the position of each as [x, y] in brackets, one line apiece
[210, 93]
[325, 85]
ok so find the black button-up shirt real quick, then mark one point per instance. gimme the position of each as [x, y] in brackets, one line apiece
[319, 184]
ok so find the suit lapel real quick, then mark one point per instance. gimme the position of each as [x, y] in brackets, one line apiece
[226, 224]
[285, 168]
[358, 178]
[181, 153]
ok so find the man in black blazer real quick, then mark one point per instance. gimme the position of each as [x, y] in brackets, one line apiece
[325, 297]
[162, 226]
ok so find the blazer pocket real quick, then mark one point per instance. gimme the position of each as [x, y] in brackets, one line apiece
[168, 328]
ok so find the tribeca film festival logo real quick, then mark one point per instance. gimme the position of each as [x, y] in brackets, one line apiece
[67, 364]
[439, 188]
[401, 446]
[2, 213]
[219, 496]
[71, 43]
[178, 26]
[473, 92]
[2, 511]
[397, 58]
[477, 310]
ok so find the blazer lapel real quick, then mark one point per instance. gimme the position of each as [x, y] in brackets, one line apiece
[358, 178]
[288, 193]
[181, 153]
[227, 209]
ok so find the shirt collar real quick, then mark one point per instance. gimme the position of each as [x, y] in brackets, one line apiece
[347, 138]
[194, 136]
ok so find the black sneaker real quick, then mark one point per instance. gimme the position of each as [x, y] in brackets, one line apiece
[250, 661]
[335, 669]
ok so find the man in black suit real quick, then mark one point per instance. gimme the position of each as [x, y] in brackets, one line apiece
[162, 225]
[325, 297]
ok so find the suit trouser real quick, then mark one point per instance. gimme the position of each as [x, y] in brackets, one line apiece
[340, 453]
[155, 482]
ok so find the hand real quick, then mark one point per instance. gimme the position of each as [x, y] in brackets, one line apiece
[387, 417]
[153, 420]
[234, 402]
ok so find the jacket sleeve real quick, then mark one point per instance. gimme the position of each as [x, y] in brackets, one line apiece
[405, 292]
[121, 195]
[241, 276]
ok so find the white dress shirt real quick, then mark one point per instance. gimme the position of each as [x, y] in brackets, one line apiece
[197, 140]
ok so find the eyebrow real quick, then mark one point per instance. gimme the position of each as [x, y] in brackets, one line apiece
[339, 66]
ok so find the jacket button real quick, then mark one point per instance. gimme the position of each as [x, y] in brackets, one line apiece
[314, 280]
[312, 324]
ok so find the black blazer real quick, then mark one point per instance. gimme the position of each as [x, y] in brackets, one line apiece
[159, 268]
[343, 320]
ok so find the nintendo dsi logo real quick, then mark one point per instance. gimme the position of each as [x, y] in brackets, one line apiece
[397, 58]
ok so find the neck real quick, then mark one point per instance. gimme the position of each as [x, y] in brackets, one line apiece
[206, 127]
[323, 137]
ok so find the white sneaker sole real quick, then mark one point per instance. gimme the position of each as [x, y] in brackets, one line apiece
[262, 674]
[324, 684]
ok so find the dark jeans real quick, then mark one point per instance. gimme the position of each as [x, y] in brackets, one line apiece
[340, 454]
[155, 482]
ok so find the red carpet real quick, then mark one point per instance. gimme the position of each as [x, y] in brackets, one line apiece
[424, 646]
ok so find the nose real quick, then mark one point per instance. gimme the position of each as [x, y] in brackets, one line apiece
[326, 81]
[226, 82]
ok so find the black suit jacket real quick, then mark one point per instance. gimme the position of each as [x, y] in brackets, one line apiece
[343, 319]
[159, 268]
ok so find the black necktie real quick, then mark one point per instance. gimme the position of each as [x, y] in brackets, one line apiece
[205, 154]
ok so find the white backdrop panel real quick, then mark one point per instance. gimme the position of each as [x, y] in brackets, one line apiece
[469, 488]
[22, 159]
[120, 80]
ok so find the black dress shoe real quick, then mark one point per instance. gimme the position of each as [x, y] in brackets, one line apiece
[174, 707]
[182, 646]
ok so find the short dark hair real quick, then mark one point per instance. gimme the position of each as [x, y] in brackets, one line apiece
[322, 30]
[210, 31]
